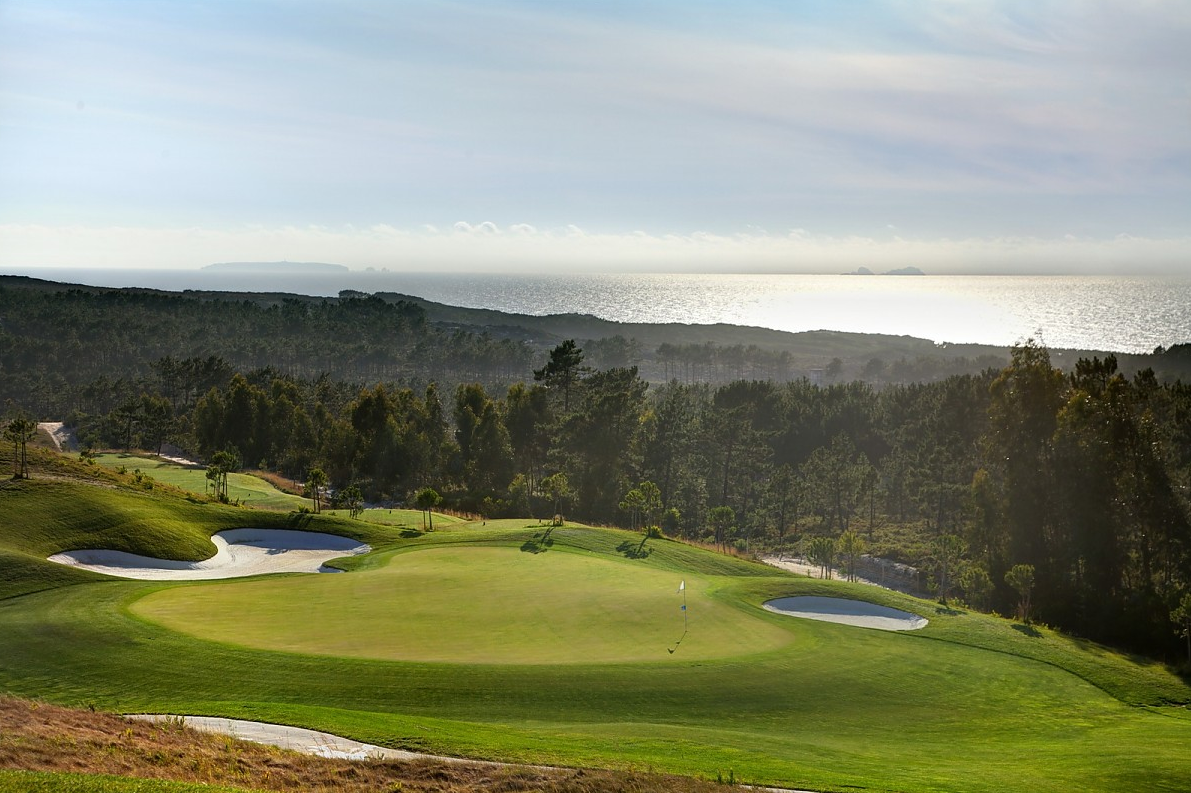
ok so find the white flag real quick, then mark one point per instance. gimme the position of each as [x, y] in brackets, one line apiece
[682, 585]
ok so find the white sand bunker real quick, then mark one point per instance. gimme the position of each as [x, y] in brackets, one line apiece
[847, 612]
[295, 739]
[239, 552]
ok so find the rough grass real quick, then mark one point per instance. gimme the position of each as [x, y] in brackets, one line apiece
[52, 745]
[47, 782]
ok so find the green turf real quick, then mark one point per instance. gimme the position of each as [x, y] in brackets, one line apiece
[485, 605]
[968, 704]
[404, 518]
[243, 488]
[838, 706]
[40, 782]
[42, 517]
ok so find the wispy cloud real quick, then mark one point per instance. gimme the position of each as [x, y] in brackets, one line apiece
[486, 247]
[972, 120]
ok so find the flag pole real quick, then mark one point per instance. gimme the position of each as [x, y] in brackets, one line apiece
[682, 589]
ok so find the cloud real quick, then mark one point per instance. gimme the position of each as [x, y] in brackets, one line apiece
[487, 227]
[487, 247]
[616, 117]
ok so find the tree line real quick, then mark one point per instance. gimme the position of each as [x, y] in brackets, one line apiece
[1080, 479]
[65, 349]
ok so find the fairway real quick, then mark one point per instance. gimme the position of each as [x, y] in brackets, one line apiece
[491, 605]
[242, 488]
[401, 518]
[508, 641]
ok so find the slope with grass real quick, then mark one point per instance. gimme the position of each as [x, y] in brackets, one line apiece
[40, 744]
[245, 489]
[967, 704]
[410, 519]
[47, 516]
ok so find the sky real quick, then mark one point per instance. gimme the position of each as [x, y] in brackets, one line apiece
[959, 136]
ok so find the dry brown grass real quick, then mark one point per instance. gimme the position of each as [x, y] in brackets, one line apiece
[40, 737]
[282, 483]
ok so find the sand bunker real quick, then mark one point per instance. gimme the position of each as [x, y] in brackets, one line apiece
[847, 612]
[295, 739]
[239, 552]
[324, 744]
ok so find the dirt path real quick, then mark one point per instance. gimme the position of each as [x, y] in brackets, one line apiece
[63, 438]
[880, 572]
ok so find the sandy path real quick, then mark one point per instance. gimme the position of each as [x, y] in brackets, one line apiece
[898, 577]
[843, 611]
[63, 438]
[180, 461]
[239, 553]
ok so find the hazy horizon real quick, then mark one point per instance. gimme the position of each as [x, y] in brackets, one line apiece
[818, 137]
[54, 272]
[1109, 313]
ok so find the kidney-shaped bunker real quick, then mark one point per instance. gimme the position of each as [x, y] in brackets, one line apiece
[847, 612]
[238, 553]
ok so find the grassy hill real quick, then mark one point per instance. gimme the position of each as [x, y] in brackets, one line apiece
[70, 505]
[504, 641]
[242, 488]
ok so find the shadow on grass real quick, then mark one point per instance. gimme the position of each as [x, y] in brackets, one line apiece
[300, 520]
[948, 611]
[409, 534]
[539, 543]
[1027, 630]
[632, 551]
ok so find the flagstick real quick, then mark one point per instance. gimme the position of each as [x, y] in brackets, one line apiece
[682, 589]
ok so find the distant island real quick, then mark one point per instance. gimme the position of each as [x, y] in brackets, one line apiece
[276, 267]
[899, 271]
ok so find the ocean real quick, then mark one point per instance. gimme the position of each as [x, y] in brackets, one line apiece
[1110, 313]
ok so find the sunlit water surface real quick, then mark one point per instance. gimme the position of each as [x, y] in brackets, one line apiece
[1125, 314]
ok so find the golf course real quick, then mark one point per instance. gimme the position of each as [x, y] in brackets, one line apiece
[515, 641]
[243, 488]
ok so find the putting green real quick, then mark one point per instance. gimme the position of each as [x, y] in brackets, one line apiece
[485, 605]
